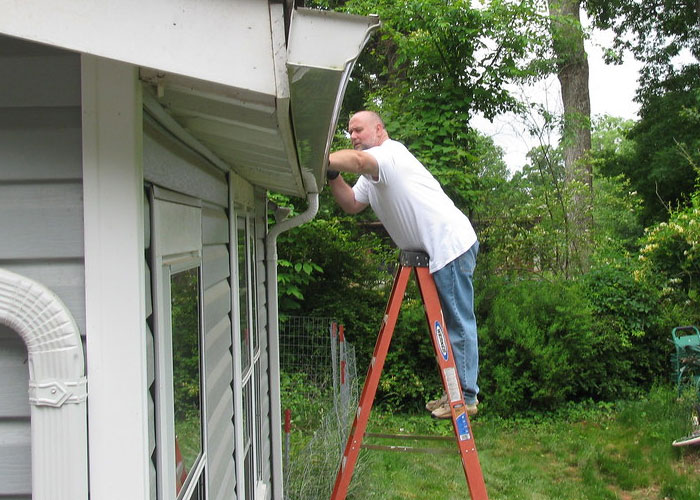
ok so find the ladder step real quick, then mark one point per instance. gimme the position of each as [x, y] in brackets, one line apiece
[411, 449]
[410, 436]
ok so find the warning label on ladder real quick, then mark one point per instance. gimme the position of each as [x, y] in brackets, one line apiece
[452, 385]
[461, 423]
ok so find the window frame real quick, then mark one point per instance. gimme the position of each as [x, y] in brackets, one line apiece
[176, 247]
[246, 379]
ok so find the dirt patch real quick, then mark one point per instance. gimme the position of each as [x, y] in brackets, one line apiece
[649, 493]
[689, 462]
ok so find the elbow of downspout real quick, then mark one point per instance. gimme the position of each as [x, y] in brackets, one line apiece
[57, 386]
[302, 218]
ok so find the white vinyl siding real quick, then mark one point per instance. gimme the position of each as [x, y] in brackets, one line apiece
[170, 165]
[41, 217]
[15, 451]
[217, 345]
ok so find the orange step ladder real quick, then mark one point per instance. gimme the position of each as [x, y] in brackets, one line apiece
[417, 262]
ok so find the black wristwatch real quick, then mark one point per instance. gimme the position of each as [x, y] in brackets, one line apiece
[332, 174]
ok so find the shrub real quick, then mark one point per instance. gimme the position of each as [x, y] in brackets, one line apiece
[537, 345]
[410, 375]
[670, 260]
[631, 346]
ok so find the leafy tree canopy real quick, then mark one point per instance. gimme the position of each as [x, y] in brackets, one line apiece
[433, 65]
[660, 149]
[654, 31]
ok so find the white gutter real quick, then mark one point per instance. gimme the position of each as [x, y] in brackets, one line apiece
[322, 50]
[273, 327]
[57, 386]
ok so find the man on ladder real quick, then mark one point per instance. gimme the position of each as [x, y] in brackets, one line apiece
[418, 216]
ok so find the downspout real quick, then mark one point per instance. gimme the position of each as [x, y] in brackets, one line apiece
[57, 386]
[273, 327]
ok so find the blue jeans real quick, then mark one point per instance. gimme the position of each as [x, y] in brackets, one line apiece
[454, 286]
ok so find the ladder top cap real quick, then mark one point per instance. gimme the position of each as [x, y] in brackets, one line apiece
[409, 258]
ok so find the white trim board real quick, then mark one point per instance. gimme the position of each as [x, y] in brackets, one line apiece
[115, 280]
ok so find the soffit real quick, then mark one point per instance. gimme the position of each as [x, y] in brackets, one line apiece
[237, 129]
[273, 140]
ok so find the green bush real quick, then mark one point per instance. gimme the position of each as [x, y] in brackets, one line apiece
[410, 375]
[306, 401]
[537, 345]
[632, 346]
[670, 260]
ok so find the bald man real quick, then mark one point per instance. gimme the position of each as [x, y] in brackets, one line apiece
[418, 215]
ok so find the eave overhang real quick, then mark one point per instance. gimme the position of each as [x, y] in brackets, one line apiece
[222, 75]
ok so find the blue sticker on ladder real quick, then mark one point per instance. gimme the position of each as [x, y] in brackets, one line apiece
[462, 427]
[442, 344]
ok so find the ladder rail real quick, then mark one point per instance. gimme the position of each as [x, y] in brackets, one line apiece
[369, 390]
[450, 381]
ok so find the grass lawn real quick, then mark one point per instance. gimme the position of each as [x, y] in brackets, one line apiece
[620, 451]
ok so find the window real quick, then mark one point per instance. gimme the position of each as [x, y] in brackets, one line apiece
[176, 258]
[243, 294]
[187, 383]
[250, 355]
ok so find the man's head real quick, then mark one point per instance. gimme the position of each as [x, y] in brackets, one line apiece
[366, 130]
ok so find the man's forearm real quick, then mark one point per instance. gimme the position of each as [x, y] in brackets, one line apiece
[344, 196]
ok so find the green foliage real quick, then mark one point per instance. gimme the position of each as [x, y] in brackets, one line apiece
[670, 260]
[610, 138]
[434, 65]
[291, 280]
[531, 230]
[536, 345]
[302, 398]
[666, 145]
[631, 350]
[411, 375]
[654, 33]
[356, 265]
[185, 343]
[616, 213]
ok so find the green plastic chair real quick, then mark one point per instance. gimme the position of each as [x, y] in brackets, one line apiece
[686, 360]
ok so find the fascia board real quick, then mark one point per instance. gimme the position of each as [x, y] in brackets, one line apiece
[222, 42]
[279, 49]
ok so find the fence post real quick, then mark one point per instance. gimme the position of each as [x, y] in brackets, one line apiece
[344, 393]
[334, 363]
[287, 432]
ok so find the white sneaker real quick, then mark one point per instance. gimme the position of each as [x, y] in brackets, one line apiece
[444, 411]
[436, 403]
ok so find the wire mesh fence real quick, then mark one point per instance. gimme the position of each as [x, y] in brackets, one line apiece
[320, 392]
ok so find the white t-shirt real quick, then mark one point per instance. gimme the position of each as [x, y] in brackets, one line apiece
[413, 207]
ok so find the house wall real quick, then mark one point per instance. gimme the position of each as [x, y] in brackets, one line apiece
[188, 37]
[41, 237]
[15, 439]
[41, 189]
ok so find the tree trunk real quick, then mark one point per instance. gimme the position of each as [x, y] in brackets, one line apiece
[572, 71]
